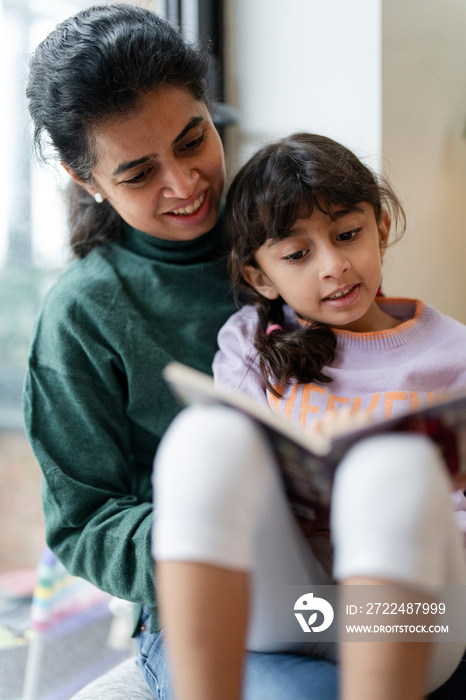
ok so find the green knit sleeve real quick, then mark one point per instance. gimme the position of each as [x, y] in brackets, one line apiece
[96, 462]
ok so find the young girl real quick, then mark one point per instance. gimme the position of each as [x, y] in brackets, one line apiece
[309, 225]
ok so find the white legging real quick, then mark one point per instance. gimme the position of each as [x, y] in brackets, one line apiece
[219, 500]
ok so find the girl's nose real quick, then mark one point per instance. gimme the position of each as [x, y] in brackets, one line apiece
[179, 180]
[333, 263]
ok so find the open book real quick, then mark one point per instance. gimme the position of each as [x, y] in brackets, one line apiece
[308, 460]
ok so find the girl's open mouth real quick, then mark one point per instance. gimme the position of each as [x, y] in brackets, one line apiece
[344, 297]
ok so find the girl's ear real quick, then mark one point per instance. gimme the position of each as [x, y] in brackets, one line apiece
[87, 185]
[384, 230]
[259, 280]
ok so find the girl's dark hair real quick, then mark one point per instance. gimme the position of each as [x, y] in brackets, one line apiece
[281, 183]
[95, 65]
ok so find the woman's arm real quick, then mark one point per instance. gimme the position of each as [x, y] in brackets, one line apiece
[96, 520]
[96, 458]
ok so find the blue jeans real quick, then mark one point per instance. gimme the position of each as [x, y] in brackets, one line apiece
[267, 676]
[273, 676]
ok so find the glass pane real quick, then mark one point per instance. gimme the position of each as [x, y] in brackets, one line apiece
[32, 218]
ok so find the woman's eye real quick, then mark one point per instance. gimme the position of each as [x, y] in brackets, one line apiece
[348, 235]
[195, 143]
[140, 177]
[296, 256]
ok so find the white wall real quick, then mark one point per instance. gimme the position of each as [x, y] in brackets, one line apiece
[385, 77]
[424, 120]
[306, 65]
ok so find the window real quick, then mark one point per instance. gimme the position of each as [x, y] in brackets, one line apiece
[32, 218]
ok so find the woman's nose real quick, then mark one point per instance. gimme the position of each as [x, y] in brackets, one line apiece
[179, 180]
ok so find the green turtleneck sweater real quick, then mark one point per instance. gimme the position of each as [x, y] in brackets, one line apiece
[95, 404]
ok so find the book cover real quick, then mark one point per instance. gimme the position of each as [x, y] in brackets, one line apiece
[307, 459]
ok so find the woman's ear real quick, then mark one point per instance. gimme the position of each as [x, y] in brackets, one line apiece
[259, 280]
[88, 186]
[384, 230]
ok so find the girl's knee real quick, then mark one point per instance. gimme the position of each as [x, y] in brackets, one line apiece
[391, 511]
[211, 444]
[211, 474]
[397, 467]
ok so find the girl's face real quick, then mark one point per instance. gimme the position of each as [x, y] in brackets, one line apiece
[162, 167]
[327, 271]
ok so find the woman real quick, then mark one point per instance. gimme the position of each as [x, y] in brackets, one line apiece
[122, 100]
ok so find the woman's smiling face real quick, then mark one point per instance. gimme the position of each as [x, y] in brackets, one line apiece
[161, 167]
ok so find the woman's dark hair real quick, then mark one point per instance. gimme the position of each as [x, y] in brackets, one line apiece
[93, 66]
[283, 182]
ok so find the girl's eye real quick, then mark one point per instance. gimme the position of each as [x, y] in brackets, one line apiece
[296, 256]
[348, 235]
[195, 143]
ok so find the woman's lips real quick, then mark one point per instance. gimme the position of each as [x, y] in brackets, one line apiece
[191, 208]
[344, 297]
[192, 214]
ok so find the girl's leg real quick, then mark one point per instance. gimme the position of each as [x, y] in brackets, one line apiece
[392, 523]
[382, 669]
[222, 533]
[216, 659]
[205, 610]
